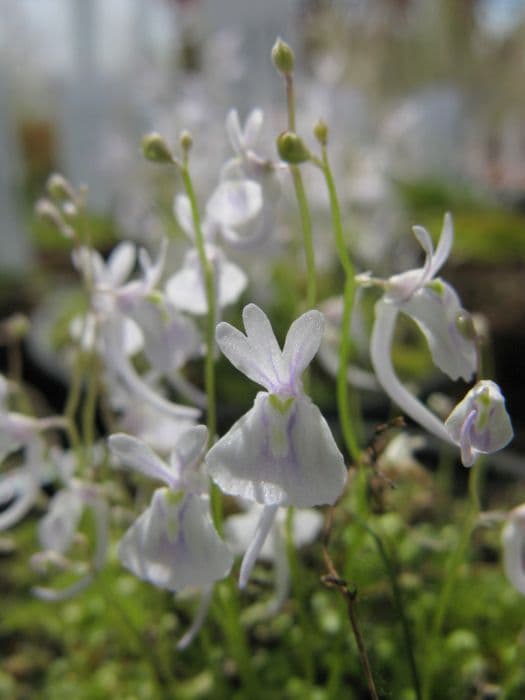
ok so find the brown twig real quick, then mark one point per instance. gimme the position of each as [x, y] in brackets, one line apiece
[333, 580]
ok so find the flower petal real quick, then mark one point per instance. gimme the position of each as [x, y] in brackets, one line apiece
[436, 309]
[174, 544]
[252, 127]
[235, 202]
[234, 131]
[57, 528]
[120, 264]
[137, 455]
[279, 457]
[444, 245]
[302, 343]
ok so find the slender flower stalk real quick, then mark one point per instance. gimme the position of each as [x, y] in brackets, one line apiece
[348, 417]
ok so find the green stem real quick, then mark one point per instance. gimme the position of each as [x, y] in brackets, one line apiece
[211, 317]
[452, 568]
[290, 101]
[89, 408]
[231, 623]
[306, 227]
[302, 597]
[391, 570]
[348, 417]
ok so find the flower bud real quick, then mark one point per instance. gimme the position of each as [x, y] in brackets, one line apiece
[49, 213]
[321, 132]
[186, 140]
[283, 57]
[155, 148]
[291, 148]
[59, 188]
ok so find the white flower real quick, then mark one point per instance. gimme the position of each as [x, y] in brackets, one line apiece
[233, 205]
[186, 289]
[173, 544]
[432, 304]
[480, 424]
[282, 451]
[513, 537]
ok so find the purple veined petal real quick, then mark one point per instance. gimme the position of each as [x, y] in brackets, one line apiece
[468, 454]
[234, 131]
[264, 525]
[444, 245]
[252, 127]
[182, 211]
[174, 545]
[513, 538]
[236, 347]
[436, 309]
[57, 528]
[279, 457]
[137, 455]
[235, 202]
[302, 343]
[120, 263]
[490, 430]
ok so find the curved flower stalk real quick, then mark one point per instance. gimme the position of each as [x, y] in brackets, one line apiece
[435, 307]
[281, 452]
[174, 544]
[513, 538]
[306, 525]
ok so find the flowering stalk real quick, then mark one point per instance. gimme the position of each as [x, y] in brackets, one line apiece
[346, 418]
[283, 59]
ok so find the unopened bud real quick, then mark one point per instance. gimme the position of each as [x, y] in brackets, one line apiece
[283, 57]
[185, 140]
[49, 213]
[59, 188]
[321, 132]
[156, 149]
[291, 148]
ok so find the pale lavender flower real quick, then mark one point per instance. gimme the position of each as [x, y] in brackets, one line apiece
[281, 452]
[173, 544]
[480, 424]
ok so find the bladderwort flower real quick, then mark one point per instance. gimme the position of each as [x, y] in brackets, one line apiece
[233, 206]
[479, 423]
[174, 544]
[281, 453]
[513, 538]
